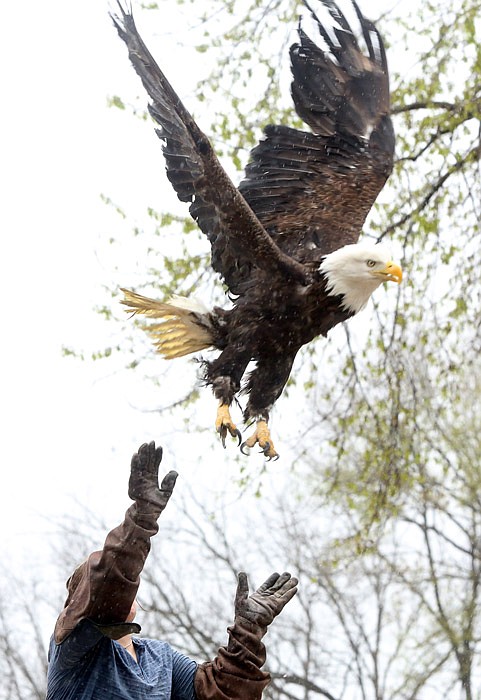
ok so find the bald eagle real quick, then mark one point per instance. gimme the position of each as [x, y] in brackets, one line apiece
[285, 240]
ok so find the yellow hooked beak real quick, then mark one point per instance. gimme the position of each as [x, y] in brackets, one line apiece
[391, 272]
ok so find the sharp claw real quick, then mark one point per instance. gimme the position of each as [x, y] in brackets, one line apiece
[266, 446]
[243, 448]
[222, 434]
[225, 425]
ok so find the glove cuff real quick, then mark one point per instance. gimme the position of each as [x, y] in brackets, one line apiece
[249, 634]
[236, 673]
[145, 514]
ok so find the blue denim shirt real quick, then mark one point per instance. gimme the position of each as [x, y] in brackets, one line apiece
[89, 666]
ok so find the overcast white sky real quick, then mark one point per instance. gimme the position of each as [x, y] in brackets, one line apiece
[69, 427]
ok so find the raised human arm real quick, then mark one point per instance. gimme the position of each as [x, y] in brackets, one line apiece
[236, 672]
[103, 588]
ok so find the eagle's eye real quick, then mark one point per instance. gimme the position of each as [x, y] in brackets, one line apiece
[370, 263]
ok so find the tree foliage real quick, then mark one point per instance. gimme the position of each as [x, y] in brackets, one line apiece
[400, 383]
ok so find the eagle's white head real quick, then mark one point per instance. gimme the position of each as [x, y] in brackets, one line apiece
[355, 271]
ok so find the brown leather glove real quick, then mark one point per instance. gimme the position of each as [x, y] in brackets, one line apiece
[235, 674]
[105, 585]
[266, 603]
[144, 481]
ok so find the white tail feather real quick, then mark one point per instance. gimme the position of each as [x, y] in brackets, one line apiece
[184, 325]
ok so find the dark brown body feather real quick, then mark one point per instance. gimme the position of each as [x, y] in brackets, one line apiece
[304, 195]
[271, 335]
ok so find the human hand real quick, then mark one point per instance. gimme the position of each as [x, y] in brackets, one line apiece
[144, 479]
[267, 602]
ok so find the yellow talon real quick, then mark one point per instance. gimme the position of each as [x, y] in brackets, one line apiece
[262, 436]
[224, 424]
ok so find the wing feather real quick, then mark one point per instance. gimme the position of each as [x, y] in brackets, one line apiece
[238, 239]
[313, 191]
[304, 193]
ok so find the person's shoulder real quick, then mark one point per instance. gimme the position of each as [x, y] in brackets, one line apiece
[154, 643]
[157, 646]
[73, 650]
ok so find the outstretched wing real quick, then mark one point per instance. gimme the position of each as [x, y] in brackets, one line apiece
[313, 191]
[239, 241]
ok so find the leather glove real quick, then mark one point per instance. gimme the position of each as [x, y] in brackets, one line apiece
[236, 672]
[144, 480]
[267, 602]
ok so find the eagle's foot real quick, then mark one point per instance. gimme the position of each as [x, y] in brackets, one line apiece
[262, 436]
[224, 424]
